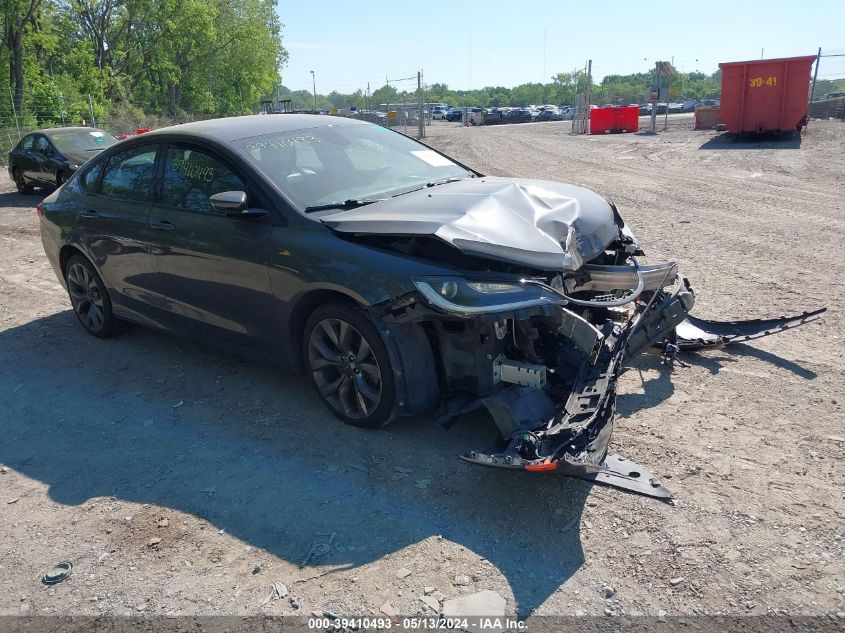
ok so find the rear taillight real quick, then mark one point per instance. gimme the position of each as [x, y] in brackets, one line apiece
[38, 210]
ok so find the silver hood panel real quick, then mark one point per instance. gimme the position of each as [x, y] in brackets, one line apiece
[537, 223]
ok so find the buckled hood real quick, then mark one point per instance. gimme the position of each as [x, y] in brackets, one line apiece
[541, 224]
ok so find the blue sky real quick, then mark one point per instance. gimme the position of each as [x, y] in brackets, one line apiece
[349, 43]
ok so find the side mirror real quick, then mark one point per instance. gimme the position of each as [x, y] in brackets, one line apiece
[229, 202]
[233, 203]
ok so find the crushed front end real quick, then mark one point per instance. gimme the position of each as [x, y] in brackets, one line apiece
[542, 362]
[540, 347]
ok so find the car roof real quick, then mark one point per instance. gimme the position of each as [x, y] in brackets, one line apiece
[234, 128]
[53, 130]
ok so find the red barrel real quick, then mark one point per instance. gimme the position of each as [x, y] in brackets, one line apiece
[766, 95]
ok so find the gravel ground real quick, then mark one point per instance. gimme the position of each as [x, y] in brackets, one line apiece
[179, 480]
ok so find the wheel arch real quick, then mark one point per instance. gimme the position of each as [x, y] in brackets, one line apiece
[408, 347]
[66, 252]
[300, 312]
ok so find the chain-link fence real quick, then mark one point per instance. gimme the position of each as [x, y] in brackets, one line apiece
[23, 113]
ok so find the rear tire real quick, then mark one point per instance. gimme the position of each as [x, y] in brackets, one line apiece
[349, 367]
[21, 184]
[89, 297]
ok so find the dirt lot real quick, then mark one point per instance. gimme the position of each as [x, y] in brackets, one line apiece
[179, 480]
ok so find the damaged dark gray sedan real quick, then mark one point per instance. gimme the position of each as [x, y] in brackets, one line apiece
[399, 279]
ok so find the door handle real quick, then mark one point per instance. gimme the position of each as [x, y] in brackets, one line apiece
[90, 213]
[163, 225]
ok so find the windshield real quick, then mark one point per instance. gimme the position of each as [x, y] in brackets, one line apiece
[82, 140]
[336, 163]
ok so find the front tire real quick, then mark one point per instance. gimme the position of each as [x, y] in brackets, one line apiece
[89, 297]
[348, 363]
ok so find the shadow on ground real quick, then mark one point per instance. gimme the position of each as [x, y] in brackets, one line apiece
[254, 453]
[658, 388]
[785, 140]
[15, 200]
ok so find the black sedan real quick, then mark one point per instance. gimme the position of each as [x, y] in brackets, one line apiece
[398, 279]
[518, 115]
[455, 115]
[549, 115]
[49, 157]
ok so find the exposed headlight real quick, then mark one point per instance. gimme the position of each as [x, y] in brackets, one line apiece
[461, 296]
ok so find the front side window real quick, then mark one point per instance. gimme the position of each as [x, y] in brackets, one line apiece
[130, 174]
[26, 144]
[192, 176]
[42, 146]
[335, 163]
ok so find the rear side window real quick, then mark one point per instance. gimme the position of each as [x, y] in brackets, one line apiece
[130, 174]
[192, 176]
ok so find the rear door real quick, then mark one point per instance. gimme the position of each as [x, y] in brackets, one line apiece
[114, 219]
[211, 269]
[25, 157]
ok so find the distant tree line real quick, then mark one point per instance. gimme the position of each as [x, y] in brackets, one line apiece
[562, 88]
[68, 59]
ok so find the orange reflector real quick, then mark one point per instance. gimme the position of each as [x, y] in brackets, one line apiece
[546, 464]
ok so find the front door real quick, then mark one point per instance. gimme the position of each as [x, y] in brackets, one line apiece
[211, 269]
[43, 154]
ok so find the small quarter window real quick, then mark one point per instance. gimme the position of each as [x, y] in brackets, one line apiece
[88, 180]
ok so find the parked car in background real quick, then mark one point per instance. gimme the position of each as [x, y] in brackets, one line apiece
[676, 108]
[440, 112]
[475, 116]
[645, 109]
[549, 115]
[494, 116]
[690, 105]
[566, 113]
[455, 114]
[710, 102]
[49, 157]
[518, 115]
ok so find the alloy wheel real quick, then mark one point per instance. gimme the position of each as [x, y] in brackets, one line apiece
[344, 367]
[85, 297]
